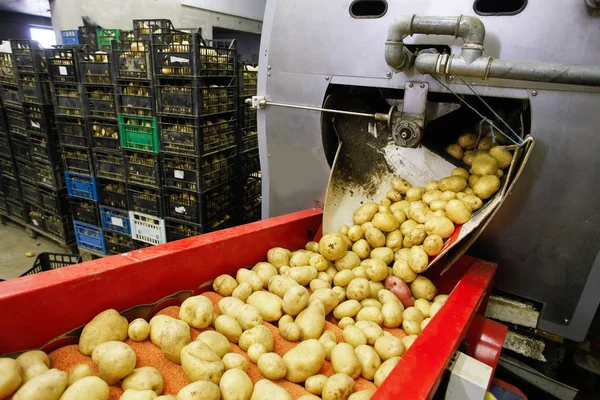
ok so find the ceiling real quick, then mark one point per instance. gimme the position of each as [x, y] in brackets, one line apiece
[33, 7]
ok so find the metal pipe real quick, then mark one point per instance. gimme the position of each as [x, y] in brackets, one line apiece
[376, 116]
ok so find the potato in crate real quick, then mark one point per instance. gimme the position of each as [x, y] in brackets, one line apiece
[199, 208]
[217, 58]
[17, 210]
[249, 140]
[175, 54]
[250, 162]
[112, 193]
[180, 172]
[145, 200]
[54, 201]
[26, 171]
[136, 98]
[21, 148]
[35, 217]
[8, 168]
[50, 176]
[217, 169]
[77, 160]
[95, 67]
[132, 59]
[104, 135]
[196, 137]
[35, 88]
[68, 99]
[251, 211]
[87, 37]
[109, 165]
[143, 28]
[100, 101]
[89, 237]
[82, 186]
[117, 243]
[177, 229]
[72, 131]
[60, 226]
[218, 98]
[7, 69]
[147, 228]
[15, 121]
[39, 118]
[29, 192]
[28, 55]
[44, 148]
[86, 211]
[63, 64]
[139, 133]
[116, 220]
[10, 95]
[143, 168]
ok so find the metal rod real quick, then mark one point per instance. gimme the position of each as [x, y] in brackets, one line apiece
[270, 103]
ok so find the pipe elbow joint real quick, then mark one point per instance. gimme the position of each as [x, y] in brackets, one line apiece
[400, 28]
[471, 30]
[397, 56]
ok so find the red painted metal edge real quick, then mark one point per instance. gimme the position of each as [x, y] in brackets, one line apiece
[421, 369]
[484, 340]
[38, 308]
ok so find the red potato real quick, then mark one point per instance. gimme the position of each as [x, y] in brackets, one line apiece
[400, 289]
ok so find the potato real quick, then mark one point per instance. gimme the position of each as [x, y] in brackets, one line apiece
[400, 290]
[243, 291]
[271, 366]
[144, 378]
[467, 141]
[360, 272]
[454, 183]
[468, 157]
[440, 298]
[88, 387]
[303, 361]
[299, 259]
[408, 341]
[175, 335]
[414, 237]
[392, 314]
[401, 254]
[343, 278]
[484, 164]
[249, 317]
[414, 194]
[423, 288]
[376, 269]
[33, 363]
[460, 172]
[362, 249]
[435, 308]
[255, 351]
[355, 233]
[366, 226]
[315, 383]
[166, 397]
[458, 212]
[258, 334]
[393, 195]
[472, 202]
[418, 259]
[403, 271]
[312, 246]
[235, 360]
[345, 322]
[228, 327]
[365, 394]
[277, 257]
[319, 262]
[279, 285]
[486, 186]
[373, 314]
[383, 253]
[250, 277]
[156, 324]
[295, 300]
[78, 372]
[48, 385]
[344, 360]
[369, 361]
[393, 241]
[384, 370]
[228, 305]
[375, 237]
[138, 330]
[224, 285]
[265, 271]
[269, 305]
[201, 363]
[354, 336]
[201, 390]
[502, 156]
[216, 341]
[131, 394]
[375, 287]
[358, 289]
[486, 144]
[437, 205]
[455, 151]
[349, 261]
[333, 246]
[328, 335]
[290, 331]
[441, 226]
[340, 292]
[369, 302]
[348, 308]
[196, 311]
[265, 389]
[424, 306]
[328, 297]
[365, 213]
[431, 185]
[371, 330]
[411, 327]
[236, 385]
[424, 323]
[408, 226]
[388, 347]
[433, 245]
[115, 360]
[107, 326]
[10, 377]
[325, 277]
[338, 387]
[311, 320]
[385, 222]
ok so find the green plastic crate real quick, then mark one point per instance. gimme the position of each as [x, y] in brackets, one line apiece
[137, 136]
[105, 36]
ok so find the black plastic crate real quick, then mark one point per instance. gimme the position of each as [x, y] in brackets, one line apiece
[104, 135]
[249, 162]
[193, 98]
[100, 101]
[35, 217]
[87, 36]
[11, 188]
[218, 169]
[196, 137]
[136, 98]
[21, 148]
[28, 55]
[85, 211]
[60, 226]
[112, 193]
[8, 168]
[248, 141]
[77, 160]
[7, 69]
[145, 200]
[50, 176]
[175, 54]
[248, 77]
[68, 99]
[199, 208]
[49, 261]
[26, 171]
[109, 165]
[143, 168]
[29, 192]
[132, 59]
[138, 244]
[17, 210]
[221, 222]
[180, 172]
[10, 95]
[251, 188]
[35, 88]
[63, 64]
[3, 203]
[248, 119]
[39, 118]
[217, 58]
[5, 147]
[251, 212]
[54, 201]
[95, 68]
[72, 131]
[15, 122]
[44, 148]
[117, 243]
[177, 230]
[144, 28]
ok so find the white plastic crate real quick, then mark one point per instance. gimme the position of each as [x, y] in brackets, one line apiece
[147, 228]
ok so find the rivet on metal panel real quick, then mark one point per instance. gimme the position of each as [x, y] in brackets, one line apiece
[389, 74]
[269, 67]
[410, 84]
[451, 77]
[534, 92]
[326, 78]
[422, 85]
[268, 74]
[268, 155]
[567, 321]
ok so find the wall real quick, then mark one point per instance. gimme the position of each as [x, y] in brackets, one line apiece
[16, 26]
[66, 14]
[253, 9]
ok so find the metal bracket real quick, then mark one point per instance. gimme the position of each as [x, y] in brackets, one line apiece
[257, 102]
[408, 125]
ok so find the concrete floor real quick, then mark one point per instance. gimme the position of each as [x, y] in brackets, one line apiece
[14, 243]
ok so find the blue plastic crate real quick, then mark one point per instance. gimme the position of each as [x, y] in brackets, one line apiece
[89, 237]
[82, 186]
[70, 36]
[115, 220]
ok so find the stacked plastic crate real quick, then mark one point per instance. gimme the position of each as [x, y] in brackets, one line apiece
[69, 109]
[250, 177]
[136, 106]
[196, 91]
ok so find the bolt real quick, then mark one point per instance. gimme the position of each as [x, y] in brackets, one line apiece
[422, 86]
[268, 74]
[389, 74]
[269, 67]
[404, 134]
[451, 77]
[326, 78]
[410, 84]
[534, 92]
[567, 321]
